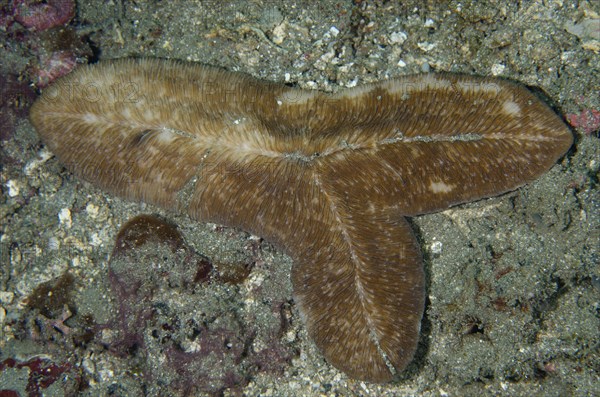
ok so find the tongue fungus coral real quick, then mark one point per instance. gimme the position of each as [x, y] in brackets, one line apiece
[329, 178]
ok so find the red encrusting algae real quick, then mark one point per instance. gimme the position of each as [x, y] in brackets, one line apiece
[36, 15]
[51, 67]
[588, 120]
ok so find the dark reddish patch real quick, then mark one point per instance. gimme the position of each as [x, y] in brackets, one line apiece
[143, 240]
[233, 273]
[144, 229]
[218, 343]
[150, 255]
[588, 120]
[42, 374]
[42, 15]
[51, 297]
[149, 230]
[8, 393]
[52, 67]
[44, 48]
[204, 268]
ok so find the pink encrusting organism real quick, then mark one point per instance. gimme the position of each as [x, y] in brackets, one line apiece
[38, 16]
[588, 120]
[55, 65]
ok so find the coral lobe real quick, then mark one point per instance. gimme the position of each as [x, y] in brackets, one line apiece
[327, 177]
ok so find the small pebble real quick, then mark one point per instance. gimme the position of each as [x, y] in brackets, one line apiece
[498, 69]
[398, 37]
[13, 188]
[436, 247]
[64, 217]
